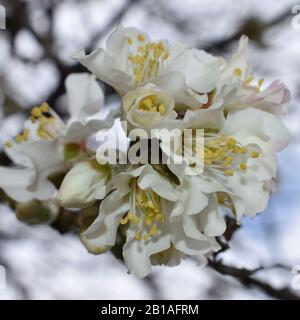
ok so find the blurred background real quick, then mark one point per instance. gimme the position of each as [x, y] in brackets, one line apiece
[35, 50]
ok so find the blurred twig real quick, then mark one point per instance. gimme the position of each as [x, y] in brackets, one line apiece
[246, 277]
[252, 27]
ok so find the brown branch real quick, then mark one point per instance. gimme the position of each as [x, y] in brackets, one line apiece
[245, 277]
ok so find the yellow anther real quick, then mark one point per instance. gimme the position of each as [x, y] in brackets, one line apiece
[129, 216]
[141, 37]
[227, 161]
[138, 236]
[135, 220]
[150, 103]
[260, 82]
[162, 109]
[231, 141]
[166, 55]
[153, 231]
[148, 221]
[150, 204]
[36, 112]
[159, 217]
[19, 138]
[229, 172]
[124, 221]
[243, 166]
[244, 150]
[44, 107]
[146, 62]
[153, 98]
[8, 144]
[43, 133]
[147, 236]
[25, 134]
[249, 79]
[255, 154]
[129, 40]
[238, 72]
[236, 149]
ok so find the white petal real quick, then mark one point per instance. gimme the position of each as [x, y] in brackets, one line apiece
[150, 178]
[238, 60]
[137, 253]
[211, 219]
[104, 68]
[81, 184]
[258, 127]
[102, 232]
[175, 82]
[16, 181]
[248, 194]
[191, 200]
[47, 158]
[78, 131]
[85, 96]
[201, 70]
[188, 245]
[211, 118]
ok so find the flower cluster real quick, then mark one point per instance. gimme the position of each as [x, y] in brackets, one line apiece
[162, 212]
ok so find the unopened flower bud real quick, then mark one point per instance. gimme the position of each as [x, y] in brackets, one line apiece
[37, 212]
[84, 184]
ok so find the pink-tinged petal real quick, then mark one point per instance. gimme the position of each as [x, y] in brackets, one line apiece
[274, 99]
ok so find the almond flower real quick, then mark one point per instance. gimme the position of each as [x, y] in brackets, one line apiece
[47, 144]
[145, 203]
[132, 59]
[148, 108]
[160, 213]
[239, 160]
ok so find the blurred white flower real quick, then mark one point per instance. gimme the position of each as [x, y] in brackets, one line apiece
[47, 144]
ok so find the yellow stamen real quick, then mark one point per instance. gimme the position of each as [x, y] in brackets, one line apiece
[255, 154]
[141, 37]
[19, 138]
[243, 166]
[146, 62]
[8, 144]
[129, 40]
[238, 72]
[244, 150]
[260, 82]
[162, 109]
[249, 79]
[138, 236]
[229, 172]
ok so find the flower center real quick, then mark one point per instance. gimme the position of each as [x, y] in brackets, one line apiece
[238, 72]
[148, 59]
[45, 125]
[145, 212]
[226, 154]
[45, 122]
[151, 103]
